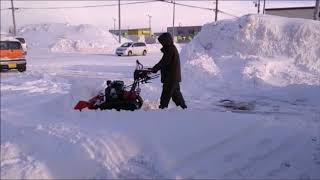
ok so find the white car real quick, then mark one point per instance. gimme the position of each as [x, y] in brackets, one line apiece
[23, 43]
[132, 48]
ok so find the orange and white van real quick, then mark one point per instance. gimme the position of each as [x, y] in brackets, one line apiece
[12, 54]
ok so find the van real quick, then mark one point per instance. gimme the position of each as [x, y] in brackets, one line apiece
[12, 54]
[132, 48]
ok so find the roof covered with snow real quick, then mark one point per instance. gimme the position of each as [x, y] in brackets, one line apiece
[8, 38]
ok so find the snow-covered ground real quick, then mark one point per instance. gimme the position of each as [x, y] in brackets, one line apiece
[272, 63]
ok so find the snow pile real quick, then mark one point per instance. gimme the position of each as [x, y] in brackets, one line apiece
[201, 66]
[70, 38]
[275, 50]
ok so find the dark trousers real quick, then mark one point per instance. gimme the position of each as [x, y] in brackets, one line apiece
[171, 90]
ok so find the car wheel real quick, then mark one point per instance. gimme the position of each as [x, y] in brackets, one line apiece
[144, 52]
[130, 53]
[22, 69]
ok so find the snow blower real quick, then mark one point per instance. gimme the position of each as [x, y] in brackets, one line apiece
[118, 96]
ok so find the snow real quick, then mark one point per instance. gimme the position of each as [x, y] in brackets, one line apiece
[43, 137]
[68, 38]
[256, 54]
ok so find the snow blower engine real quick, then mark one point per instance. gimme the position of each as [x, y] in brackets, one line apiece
[118, 96]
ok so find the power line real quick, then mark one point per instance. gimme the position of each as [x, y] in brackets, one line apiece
[3, 9]
[130, 3]
[199, 7]
[107, 5]
[223, 12]
[186, 5]
[78, 7]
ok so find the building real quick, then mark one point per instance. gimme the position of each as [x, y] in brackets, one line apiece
[133, 32]
[139, 32]
[184, 34]
[124, 32]
[293, 12]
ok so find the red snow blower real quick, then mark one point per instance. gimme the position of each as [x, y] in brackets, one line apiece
[118, 96]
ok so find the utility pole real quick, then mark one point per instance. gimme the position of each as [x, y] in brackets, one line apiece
[114, 24]
[13, 19]
[264, 6]
[317, 11]
[174, 9]
[258, 6]
[216, 14]
[149, 22]
[119, 14]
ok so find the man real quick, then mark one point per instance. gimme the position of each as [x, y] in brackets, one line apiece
[169, 66]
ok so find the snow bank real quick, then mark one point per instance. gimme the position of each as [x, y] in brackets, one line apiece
[70, 38]
[253, 49]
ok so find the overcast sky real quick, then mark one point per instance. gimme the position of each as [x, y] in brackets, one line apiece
[132, 16]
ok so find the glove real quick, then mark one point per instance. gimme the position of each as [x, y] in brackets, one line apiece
[153, 70]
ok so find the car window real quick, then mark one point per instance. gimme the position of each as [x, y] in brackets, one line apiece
[139, 44]
[126, 45]
[22, 40]
[5, 45]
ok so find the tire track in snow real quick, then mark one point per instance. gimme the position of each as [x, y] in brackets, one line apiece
[260, 158]
[108, 154]
[196, 156]
[100, 150]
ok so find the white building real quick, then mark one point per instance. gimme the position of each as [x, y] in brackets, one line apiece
[293, 12]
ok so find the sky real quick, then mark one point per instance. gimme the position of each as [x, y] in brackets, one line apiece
[132, 16]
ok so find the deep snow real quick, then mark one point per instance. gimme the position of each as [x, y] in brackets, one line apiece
[66, 38]
[43, 137]
[254, 55]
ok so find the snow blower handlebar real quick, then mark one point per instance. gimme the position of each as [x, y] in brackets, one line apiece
[141, 75]
[138, 65]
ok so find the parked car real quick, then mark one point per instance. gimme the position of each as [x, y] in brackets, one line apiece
[12, 55]
[23, 43]
[132, 48]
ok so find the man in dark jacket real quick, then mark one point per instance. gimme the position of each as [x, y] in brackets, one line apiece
[169, 66]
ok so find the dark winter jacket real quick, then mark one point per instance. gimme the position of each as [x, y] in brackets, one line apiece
[169, 65]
